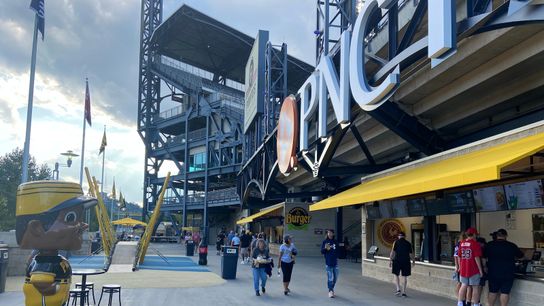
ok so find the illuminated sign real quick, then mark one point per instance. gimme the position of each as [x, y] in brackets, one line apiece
[326, 84]
[286, 143]
[297, 219]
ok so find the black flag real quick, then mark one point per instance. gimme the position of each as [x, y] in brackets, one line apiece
[39, 7]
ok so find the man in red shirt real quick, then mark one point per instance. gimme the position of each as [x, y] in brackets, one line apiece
[470, 267]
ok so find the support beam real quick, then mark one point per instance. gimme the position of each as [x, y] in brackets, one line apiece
[409, 128]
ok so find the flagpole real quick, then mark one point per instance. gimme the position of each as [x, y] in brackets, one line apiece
[103, 160]
[83, 141]
[26, 152]
[112, 200]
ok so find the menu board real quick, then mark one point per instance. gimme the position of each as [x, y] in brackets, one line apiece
[416, 207]
[386, 209]
[437, 207]
[490, 199]
[524, 195]
[460, 202]
[400, 210]
[372, 212]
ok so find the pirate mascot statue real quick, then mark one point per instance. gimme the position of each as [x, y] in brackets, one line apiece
[50, 218]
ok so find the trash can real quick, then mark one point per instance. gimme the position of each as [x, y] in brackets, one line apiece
[3, 266]
[229, 262]
[95, 246]
[190, 244]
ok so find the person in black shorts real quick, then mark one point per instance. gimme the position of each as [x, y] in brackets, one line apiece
[400, 257]
[501, 259]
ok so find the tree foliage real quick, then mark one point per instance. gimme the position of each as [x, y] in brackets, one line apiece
[11, 167]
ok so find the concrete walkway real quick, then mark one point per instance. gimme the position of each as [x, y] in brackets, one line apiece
[206, 288]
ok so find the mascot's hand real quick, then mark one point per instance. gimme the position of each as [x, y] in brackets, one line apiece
[44, 283]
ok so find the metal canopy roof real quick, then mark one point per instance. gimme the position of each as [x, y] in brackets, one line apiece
[203, 42]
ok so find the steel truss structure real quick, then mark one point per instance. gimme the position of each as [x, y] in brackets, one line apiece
[148, 97]
[200, 138]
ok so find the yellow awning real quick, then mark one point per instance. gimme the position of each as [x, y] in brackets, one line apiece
[471, 168]
[261, 213]
[129, 222]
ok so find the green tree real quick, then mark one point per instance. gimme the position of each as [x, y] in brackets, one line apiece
[11, 167]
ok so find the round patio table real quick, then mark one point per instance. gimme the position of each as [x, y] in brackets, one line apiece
[84, 273]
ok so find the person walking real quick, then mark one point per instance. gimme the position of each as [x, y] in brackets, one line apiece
[245, 242]
[400, 257]
[329, 249]
[286, 261]
[261, 258]
[229, 237]
[501, 259]
[470, 267]
[219, 242]
[235, 242]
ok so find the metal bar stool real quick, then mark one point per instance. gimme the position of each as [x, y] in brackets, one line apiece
[90, 286]
[110, 289]
[76, 294]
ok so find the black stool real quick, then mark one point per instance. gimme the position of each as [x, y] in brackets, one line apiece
[90, 286]
[76, 294]
[111, 289]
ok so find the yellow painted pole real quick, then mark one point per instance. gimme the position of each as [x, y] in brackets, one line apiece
[105, 216]
[105, 242]
[146, 237]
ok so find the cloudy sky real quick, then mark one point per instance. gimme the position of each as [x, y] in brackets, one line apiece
[99, 39]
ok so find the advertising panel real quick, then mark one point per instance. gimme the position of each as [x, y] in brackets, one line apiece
[254, 81]
[524, 195]
[490, 198]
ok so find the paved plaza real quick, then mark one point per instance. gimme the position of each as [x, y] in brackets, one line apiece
[154, 287]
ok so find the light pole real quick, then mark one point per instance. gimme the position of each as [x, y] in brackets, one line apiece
[69, 154]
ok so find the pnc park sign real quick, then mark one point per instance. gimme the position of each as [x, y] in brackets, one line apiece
[327, 84]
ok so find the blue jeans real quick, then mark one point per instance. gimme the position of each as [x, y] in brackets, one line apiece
[259, 273]
[332, 277]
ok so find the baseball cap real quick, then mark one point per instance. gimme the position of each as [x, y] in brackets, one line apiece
[471, 231]
[502, 232]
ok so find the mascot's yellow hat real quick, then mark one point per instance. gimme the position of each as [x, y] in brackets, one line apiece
[42, 197]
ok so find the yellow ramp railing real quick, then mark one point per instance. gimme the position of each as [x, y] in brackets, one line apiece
[143, 244]
[104, 223]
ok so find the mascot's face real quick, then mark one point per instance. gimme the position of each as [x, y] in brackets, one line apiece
[50, 215]
[65, 233]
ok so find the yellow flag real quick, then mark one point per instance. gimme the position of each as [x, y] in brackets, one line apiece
[103, 144]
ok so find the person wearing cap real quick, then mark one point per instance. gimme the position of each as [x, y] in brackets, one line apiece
[329, 249]
[286, 261]
[400, 257]
[245, 242]
[49, 218]
[470, 267]
[501, 259]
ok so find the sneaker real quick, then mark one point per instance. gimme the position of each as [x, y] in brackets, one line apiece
[331, 295]
[286, 292]
[242, 262]
[397, 293]
[404, 295]
[257, 293]
[264, 289]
